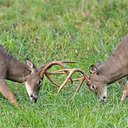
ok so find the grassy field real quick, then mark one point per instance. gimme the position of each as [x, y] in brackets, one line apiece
[85, 31]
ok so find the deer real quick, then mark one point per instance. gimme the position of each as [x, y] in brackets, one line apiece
[14, 70]
[103, 75]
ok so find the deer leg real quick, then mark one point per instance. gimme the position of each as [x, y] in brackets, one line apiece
[4, 89]
[125, 90]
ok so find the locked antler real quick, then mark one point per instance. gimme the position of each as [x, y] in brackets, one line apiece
[68, 72]
[44, 69]
[71, 71]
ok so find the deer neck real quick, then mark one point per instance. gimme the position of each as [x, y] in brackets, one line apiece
[17, 71]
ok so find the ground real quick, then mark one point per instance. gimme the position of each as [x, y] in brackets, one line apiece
[85, 31]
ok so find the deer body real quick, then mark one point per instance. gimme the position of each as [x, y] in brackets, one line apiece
[111, 70]
[14, 70]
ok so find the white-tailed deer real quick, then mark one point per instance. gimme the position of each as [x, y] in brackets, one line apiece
[102, 75]
[14, 70]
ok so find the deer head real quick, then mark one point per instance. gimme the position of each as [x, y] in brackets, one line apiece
[96, 83]
[33, 81]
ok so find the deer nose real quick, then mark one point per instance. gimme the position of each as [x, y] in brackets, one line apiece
[34, 98]
[104, 98]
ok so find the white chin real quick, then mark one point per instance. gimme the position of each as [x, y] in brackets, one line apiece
[31, 98]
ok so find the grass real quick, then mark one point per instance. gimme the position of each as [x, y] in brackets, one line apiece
[85, 31]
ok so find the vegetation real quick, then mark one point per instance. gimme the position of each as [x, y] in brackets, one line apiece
[85, 31]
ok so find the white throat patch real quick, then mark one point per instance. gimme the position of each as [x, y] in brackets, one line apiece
[105, 91]
[29, 90]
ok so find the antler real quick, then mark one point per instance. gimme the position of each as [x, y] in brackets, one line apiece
[68, 72]
[46, 67]
[71, 71]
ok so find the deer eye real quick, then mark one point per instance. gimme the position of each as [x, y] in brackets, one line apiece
[39, 82]
[93, 87]
[97, 73]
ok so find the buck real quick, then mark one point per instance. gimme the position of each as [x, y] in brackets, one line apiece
[14, 70]
[102, 75]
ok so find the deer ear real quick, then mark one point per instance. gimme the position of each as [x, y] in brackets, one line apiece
[93, 69]
[30, 65]
[98, 64]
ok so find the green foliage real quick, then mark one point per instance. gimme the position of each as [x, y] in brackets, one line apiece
[85, 31]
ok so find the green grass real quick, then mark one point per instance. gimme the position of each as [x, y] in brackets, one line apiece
[85, 31]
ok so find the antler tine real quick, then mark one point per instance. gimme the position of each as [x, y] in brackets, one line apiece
[58, 72]
[46, 67]
[80, 79]
[78, 88]
[52, 81]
